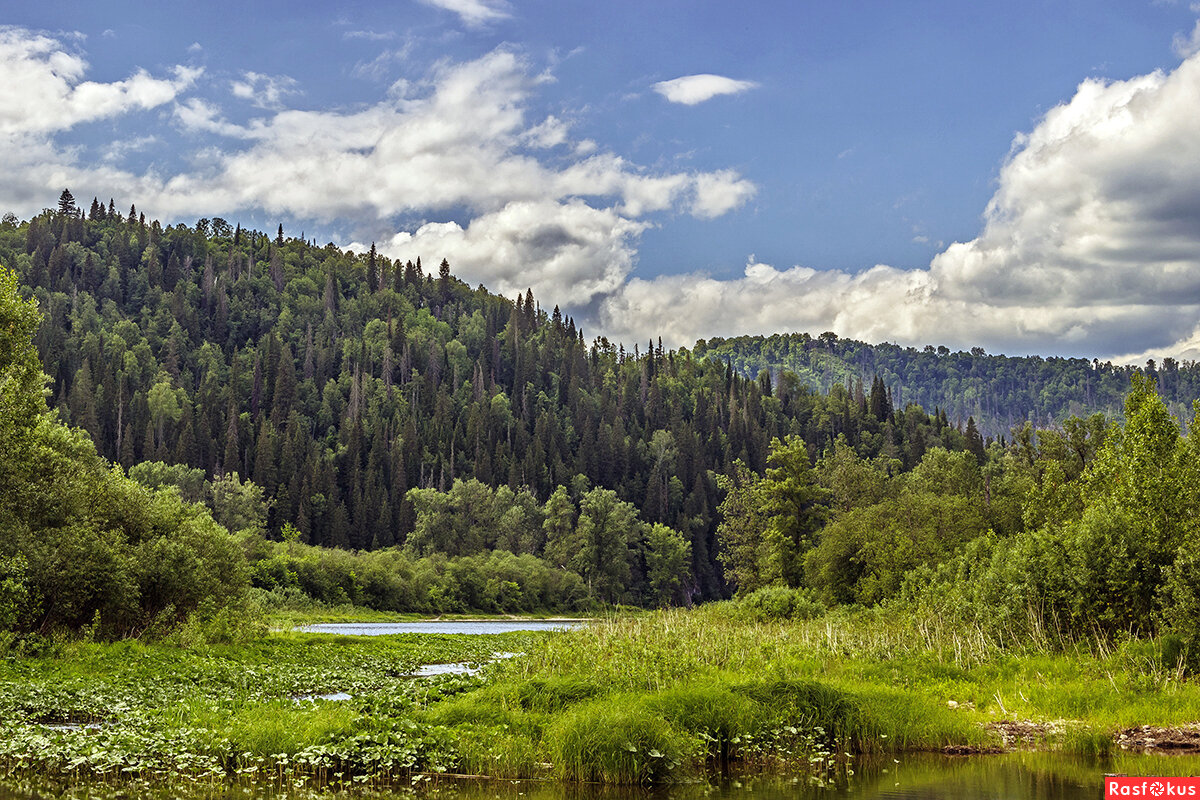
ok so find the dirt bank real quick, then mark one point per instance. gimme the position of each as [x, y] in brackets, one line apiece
[1025, 734]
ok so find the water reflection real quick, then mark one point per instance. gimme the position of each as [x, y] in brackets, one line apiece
[335, 696]
[459, 668]
[1017, 776]
[447, 626]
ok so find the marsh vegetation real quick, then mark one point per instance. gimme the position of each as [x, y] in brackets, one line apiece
[668, 697]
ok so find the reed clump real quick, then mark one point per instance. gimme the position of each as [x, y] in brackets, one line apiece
[617, 740]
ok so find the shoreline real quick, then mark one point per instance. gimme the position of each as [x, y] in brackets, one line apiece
[1020, 735]
[360, 616]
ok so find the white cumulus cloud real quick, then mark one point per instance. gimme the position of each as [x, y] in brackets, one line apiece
[569, 252]
[693, 89]
[474, 13]
[264, 91]
[459, 140]
[718, 193]
[42, 88]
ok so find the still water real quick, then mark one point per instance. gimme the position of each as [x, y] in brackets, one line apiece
[447, 626]
[1016, 776]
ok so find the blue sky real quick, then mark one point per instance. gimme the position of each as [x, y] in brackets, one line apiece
[1021, 176]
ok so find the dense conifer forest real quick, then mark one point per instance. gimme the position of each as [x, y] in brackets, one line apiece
[335, 382]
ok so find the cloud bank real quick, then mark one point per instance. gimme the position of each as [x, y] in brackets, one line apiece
[1090, 244]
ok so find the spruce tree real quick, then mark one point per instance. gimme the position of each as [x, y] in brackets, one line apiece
[66, 204]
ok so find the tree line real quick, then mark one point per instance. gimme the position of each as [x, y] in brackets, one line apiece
[81, 544]
[405, 442]
[1000, 392]
[1062, 535]
[338, 381]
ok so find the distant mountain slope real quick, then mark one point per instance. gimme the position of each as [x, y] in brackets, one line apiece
[998, 391]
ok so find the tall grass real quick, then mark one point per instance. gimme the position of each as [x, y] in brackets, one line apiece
[281, 727]
[655, 651]
[671, 694]
[617, 740]
[867, 680]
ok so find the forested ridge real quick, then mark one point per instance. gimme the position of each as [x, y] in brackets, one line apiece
[1000, 392]
[336, 382]
[382, 435]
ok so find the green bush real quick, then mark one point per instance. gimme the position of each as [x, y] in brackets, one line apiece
[864, 555]
[773, 603]
[213, 623]
[1179, 608]
[296, 575]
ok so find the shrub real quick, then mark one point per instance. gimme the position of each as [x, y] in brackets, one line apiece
[773, 603]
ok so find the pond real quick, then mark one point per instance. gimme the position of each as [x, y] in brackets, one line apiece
[485, 626]
[1015, 776]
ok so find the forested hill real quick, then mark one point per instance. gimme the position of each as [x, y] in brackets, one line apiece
[1000, 392]
[338, 381]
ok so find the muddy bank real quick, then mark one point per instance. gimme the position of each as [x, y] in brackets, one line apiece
[1147, 738]
[1026, 734]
